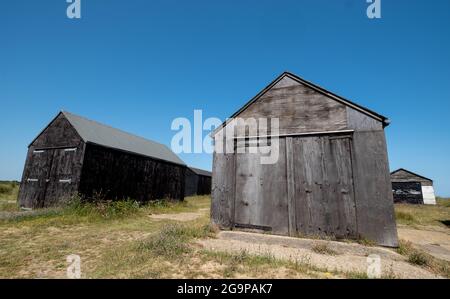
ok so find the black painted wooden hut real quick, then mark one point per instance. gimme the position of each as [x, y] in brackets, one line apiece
[198, 182]
[331, 177]
[412, 188]
[76, 155]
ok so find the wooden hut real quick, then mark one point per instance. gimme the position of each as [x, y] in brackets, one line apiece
[198, 182]
[76, 155]
[412, 188]
[331, 177]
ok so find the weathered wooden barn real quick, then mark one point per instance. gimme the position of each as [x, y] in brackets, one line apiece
[74, 155]
[409, 187]
[198, 182]
[331, 177]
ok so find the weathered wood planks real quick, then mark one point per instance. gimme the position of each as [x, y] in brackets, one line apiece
[61, 164]
[374, 202]
[332, 178]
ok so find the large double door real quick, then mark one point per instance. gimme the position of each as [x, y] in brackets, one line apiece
[308, 191]
[48, 176]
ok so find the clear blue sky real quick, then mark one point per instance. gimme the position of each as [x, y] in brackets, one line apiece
[138, 64]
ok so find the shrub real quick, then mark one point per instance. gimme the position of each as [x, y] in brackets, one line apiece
[323, 249]
[407, 217]
[418, 258]
[5, 189]
[106, 209]
[405, 247]
[170, 242]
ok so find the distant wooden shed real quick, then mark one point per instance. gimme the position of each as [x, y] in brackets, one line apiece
[198, 182]
[76, 155]
[412, 188]
[332, 175]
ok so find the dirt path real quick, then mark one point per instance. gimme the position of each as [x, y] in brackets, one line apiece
[349, 257]
[435, 241]
[183, 217]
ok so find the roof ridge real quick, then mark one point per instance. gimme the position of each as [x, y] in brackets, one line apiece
[413, 173]
[111, 127]
[311, 85]
[105, 135]
[331, 93]
[198, 168]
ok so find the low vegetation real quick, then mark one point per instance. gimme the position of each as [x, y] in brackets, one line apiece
[420, 258]
[8, 196]
[323, 248]
[123, 240]
[172, 240]
[424, 215]
[36, 244]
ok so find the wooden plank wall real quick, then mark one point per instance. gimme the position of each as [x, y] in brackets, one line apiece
[204, 185]
[223, 188]
[119, 175]
[318, 196]
[300, 109]
[261, 192]
[197, 184]
[404, 176]
[323, 185]
[362, 122]
[309, 191]
[59, 133]
[374, 201]
[325, 202]
[64, 176]
[37, 167]
[50, 164]
[191, 184]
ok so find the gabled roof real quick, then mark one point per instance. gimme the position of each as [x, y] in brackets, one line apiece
[415, 174]
[199, 171]
[315, 87]
[93, 132]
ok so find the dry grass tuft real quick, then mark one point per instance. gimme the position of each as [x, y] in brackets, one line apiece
[423, 259]
[323, 248]
[420, 215]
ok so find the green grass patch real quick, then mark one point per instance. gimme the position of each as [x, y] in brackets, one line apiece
[79, 211]
[8, 193]
[443, 202]
[172, 240]
[245, 263]
[101, 209]
[423, 215]
[404, 217]
[107, 239]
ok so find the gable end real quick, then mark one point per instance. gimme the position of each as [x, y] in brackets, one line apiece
[285, 83]
[58, 133]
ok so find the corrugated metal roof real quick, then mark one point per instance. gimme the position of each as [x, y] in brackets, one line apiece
[199, 171]
[94, 132]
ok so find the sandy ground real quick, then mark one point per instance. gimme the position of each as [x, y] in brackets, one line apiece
[183, 217]
[350, 257]
[433, 240]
